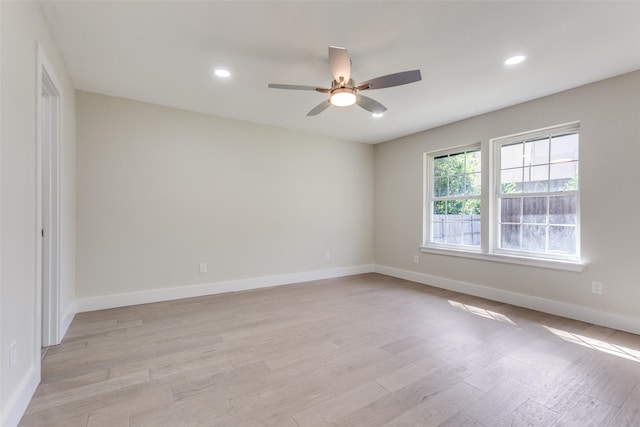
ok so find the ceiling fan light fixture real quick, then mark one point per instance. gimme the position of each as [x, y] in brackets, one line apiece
[377, 114]
[343, 97]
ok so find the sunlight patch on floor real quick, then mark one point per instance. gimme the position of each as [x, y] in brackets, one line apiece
[482, 312]
[596, 344]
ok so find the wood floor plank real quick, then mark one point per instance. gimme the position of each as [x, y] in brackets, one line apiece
[530, 413]
[462, 420]
[72, 382]
[335, 408]
[498, 403]
[60, 398]
[120, 413]
[366, 350]
[387, 408]
[406, 375]
[53, 419]
[614, 385]
[78, 408]
[402, 344]
[567, 387]
[629, 413]
[495, 374]
[439, 408]
[200, 409]
[587, 411]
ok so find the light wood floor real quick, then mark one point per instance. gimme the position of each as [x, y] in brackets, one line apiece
[365, 350]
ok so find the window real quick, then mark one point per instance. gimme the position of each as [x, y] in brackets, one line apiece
[532, 210]
[538, 194]
[454, 197]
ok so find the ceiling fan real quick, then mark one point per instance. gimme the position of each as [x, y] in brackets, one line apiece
[345, 92]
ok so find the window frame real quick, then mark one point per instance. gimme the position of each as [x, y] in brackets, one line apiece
[496, 196]
[489, 213]
[429, 198]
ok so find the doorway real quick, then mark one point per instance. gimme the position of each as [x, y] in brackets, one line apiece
[49, 126]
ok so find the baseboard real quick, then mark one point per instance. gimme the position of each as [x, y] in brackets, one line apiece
[67, 318]
[558, 308]
[18, 402]
[166, 294]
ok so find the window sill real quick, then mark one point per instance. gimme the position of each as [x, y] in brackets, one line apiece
[510, 259]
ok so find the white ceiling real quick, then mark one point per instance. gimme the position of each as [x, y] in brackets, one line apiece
[163, 52]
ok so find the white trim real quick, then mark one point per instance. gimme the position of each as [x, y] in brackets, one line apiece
[533, 134]
[496, 196]
[429, 198]
[68, 318]
[18, 402]
[558, 308]
[166, 294]
[48, 313]
[508, 258]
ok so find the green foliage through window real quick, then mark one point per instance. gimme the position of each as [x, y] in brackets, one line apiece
[457, 175]
[455, 198]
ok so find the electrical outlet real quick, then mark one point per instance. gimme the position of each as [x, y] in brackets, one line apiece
[416, 259]
[597, 288]
[13, 352]
[327, 257]
[203, 268]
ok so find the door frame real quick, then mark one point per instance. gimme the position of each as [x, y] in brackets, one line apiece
[49, 131]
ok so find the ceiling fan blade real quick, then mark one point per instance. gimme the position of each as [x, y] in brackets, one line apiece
[371, 105]
[390, 80]
[340, 64]
[319, 108]
[297, 87]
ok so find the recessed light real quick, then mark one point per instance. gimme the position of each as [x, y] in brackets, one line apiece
[222, 73]
[376, 115]
[515, 60]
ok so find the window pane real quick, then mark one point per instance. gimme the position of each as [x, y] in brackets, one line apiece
[534, 238]
[564, 148]
[536, 179]
[453, 232]
[536, 152]
[533, 169]
[471, 232]
[440, 166]
[562, 239]
[563, 209]
[456, 221]
[440, 186]
[471, 209]
[511, 181]
[456, 164]
[437, 229]
[457, 185]
[454, 209]
[474, 184]
[511, 156]
[534, 210]
[511, 210]
[474, 161]
[510, 236]
[563, 176]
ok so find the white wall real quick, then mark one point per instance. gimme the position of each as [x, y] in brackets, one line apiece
[161, 190]
[609, 115]
[23, 26]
